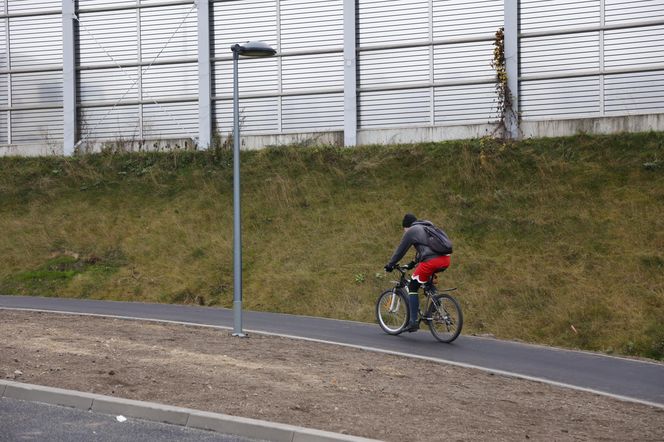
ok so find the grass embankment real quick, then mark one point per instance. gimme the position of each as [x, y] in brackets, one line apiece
[557, 241]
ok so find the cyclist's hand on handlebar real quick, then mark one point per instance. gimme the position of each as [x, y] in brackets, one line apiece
[410, 265]
[389, 267]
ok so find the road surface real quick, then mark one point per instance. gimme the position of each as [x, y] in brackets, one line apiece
[32, 421]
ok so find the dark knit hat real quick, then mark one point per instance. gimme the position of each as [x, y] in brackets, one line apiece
[408, 220]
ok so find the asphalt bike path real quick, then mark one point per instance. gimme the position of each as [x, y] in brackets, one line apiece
[626, 379]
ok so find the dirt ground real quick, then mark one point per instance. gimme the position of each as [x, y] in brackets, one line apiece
[302, 383]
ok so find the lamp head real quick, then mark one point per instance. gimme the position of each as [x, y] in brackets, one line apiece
[254, 49]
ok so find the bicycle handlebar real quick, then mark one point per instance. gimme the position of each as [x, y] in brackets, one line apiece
[401, 268]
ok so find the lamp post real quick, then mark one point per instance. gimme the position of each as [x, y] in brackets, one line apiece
[249, 49]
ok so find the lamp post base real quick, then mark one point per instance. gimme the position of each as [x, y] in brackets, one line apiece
[237, 319]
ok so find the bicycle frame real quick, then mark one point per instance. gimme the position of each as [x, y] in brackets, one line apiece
[429, 288]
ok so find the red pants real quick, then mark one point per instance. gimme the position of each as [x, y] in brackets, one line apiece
[424, 270]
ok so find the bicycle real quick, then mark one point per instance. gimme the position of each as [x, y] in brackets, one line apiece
[443, 312]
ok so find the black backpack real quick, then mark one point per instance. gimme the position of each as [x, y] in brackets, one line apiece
[437, 240]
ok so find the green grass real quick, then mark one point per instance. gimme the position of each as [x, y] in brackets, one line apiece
[557, 241]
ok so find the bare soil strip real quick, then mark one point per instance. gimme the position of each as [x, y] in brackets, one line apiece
[303, 383]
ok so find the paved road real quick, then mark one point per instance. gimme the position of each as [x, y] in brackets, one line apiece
[634, 380]
[31, 421]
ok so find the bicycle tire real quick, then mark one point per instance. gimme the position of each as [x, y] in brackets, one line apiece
[445, 318]
[392, 313]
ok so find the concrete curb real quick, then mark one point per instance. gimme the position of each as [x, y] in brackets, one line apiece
[203, 420]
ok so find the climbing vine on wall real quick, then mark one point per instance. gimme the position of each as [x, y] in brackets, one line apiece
[503, 93]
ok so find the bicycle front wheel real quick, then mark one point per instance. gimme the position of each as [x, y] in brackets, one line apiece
[392, 311]
[445, 318]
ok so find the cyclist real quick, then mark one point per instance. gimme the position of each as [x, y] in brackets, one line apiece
[426, 263]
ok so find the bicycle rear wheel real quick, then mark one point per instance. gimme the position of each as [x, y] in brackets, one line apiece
[445, 318]
[392, 311]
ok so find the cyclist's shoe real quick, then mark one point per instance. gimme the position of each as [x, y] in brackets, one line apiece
[413, 327]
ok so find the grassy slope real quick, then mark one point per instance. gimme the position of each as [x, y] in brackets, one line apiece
[558, 241]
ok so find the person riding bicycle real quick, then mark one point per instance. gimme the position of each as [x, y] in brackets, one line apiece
[426, 263]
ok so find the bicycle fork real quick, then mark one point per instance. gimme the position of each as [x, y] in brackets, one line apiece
[394, 301]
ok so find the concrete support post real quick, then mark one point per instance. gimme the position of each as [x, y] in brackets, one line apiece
[432, 90]
[350, 74]
[204, 76]
[602, 24]
[280, 72]
[139, 76]
[69, 76]
[8, 63]
[512, 65]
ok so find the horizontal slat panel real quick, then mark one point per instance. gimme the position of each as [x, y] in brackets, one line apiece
[632, 10]
[107, 37]
[172, 120]
[256, 115]
[38, 88]
[463, 61]
[106, 123]
[233, 24]
[312, 71]
[255, 75]
[37, 126]
[466, 18]
[394, 66]
[634, 93]
[165, 81]
[313, 112]
[560, 98]
[86, 4]
[387, 22]
[155, 2]
[395, 108]
[545, 15]
[3, 45]
[108, 84]
[4, 95]
[18, 6]
[465, 103]
[168, 32]
[4, 133]
[637, 47]
[35, 41]
[311, 24]
[559, 53]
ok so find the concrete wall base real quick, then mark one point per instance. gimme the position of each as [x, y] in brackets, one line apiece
[602, 125]
[394, 135]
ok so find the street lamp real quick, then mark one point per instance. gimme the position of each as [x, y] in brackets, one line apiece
[249, 49]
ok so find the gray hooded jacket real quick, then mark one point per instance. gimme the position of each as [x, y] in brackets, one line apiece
[415, 236]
